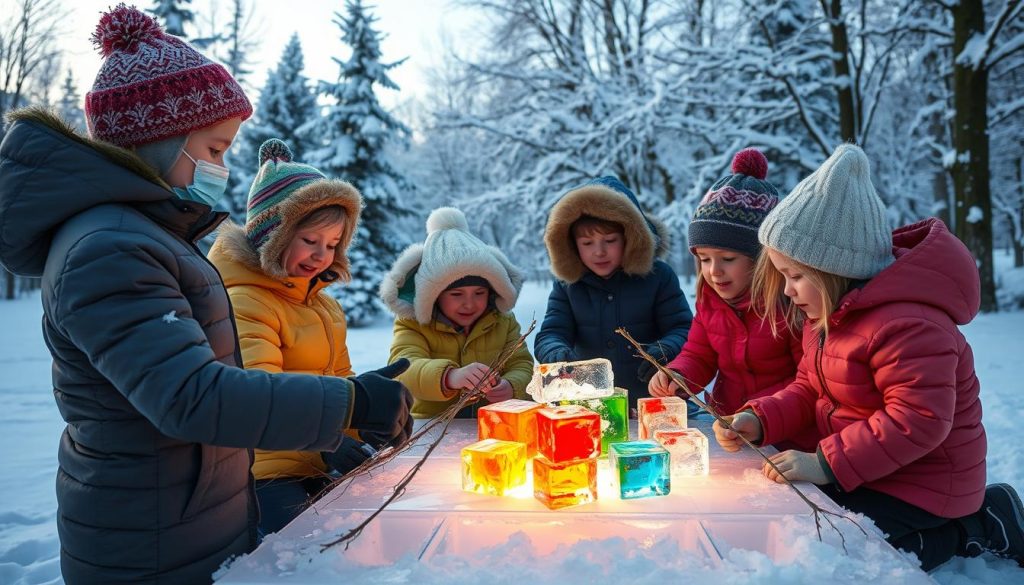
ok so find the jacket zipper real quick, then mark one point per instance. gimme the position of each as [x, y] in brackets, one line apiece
[833, 403]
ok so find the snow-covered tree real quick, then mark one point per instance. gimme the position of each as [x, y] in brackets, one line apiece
[174, 15]
[356, 134]
[70, 104]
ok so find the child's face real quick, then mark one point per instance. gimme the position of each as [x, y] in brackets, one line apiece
[798, 287]
[464, 305]
[729, 273]
[311, 250]
[601, 253]
[207, 144]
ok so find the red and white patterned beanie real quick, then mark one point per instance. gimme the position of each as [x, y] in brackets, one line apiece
[153, 86]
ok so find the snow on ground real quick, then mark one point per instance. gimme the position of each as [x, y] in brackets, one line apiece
[30, 426]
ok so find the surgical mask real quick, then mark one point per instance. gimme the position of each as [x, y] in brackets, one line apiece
[209, 182]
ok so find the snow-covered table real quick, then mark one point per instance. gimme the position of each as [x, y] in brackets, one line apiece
[731, 523]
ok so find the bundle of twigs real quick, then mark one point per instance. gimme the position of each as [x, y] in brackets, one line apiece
[819, 512]
[442, 421]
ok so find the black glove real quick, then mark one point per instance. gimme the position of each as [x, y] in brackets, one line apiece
[349, 454]
[647, 370]
[382, 404]
[564, 354]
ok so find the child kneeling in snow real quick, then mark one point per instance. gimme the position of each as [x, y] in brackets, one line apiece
[453, 296]
[887, 377]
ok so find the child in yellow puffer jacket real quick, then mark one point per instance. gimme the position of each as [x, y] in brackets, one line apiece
[453, 296]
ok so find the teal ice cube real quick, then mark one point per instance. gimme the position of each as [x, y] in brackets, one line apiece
[614, 413]
[641, 469]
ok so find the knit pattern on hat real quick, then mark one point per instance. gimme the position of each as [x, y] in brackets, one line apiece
[153, 85]
[283, 193]
[423, 271]
[732, 210]
[833, 220]
[605, 198]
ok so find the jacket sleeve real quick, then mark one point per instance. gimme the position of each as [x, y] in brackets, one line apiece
[259, 332]
[698, 361]
[556, 339]
[129, 317]
[914, 362]
[519, 368]
[423, 378]
[789, 411]
[671, 311]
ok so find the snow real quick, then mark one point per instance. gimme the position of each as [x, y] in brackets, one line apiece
[31, 427]
[975, 214]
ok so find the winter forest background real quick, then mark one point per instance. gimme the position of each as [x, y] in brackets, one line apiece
[660, 93]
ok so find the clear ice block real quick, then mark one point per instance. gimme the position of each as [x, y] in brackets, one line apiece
[493, 467]
[659, 413]
[511, 420]
[568, 432]
[640, 469]
[687, 449]
[614, 413]
[572, 380]
[558, 485]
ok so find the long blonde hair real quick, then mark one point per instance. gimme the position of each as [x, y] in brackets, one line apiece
[772, 304]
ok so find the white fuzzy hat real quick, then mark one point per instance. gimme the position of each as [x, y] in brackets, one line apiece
[833, 220]
[449, 253]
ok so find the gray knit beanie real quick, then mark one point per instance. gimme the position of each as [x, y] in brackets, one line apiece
[833, 220]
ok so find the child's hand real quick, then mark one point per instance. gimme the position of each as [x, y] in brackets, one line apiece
[796, 466]
[661, 385]
[744, 423]
[467, 377]
[499, 392]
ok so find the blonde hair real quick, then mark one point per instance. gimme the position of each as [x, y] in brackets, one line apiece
[322, 217]
[772, 304]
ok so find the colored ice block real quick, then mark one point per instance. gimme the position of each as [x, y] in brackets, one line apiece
[659, 413]
[614, 413]
[687, 449]
[511, 420]
[640, 469]
[492, 466]
[571, 380]
[558, 485]
[568, 432]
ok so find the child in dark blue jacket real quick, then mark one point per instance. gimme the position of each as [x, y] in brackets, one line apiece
[604, 252]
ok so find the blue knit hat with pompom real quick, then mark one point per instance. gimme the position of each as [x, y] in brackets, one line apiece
[277, 178]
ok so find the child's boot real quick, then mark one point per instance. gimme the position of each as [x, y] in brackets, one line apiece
[998, 527]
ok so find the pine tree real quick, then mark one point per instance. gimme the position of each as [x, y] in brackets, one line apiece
[70, 105]
[173, 14]
[356, 134]
[286, 103]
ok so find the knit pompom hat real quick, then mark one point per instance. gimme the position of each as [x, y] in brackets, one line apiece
[283, 193]
[833, 220]
[152, 85]
[450, 253]
[735, 206]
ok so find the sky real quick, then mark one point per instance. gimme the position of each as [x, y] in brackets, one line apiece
[414, 29]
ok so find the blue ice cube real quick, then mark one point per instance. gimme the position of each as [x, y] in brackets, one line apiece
[641, 469]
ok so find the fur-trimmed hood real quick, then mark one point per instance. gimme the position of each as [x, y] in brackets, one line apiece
[606, 198]
[423, 271]
[49, 173]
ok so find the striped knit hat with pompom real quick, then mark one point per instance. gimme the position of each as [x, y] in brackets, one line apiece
[277, 178]
[735, 206]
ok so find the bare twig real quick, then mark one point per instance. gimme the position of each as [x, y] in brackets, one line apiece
[819, 512]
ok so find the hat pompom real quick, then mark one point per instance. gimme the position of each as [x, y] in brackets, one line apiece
[275, 149]
[446, 218]
[123, 28]
[750, 162]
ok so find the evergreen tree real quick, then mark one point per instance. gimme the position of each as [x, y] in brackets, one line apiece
[173, 14]
[70, 105]
[356, 134]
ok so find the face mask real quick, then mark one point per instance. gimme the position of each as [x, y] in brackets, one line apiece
[209, 182]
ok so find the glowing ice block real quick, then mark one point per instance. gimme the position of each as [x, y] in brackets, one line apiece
[659, 413]
[493, 467]
[571, 380]
[614, 413]
[568, 432]
[687, 449]
[640, 469]
[511, 420]
[558, 485]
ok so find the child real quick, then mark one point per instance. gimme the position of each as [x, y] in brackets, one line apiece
[153, 482]
[887, 377]
[453, 296]
[728, 339]
[603, 251]
[298, 227]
